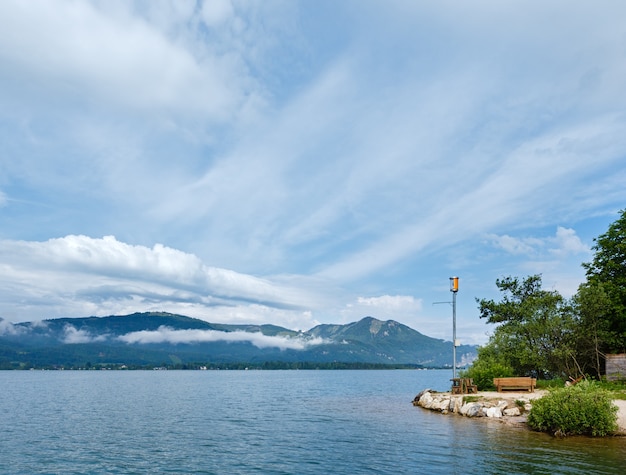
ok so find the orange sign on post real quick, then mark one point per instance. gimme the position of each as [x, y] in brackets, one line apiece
[454, 284]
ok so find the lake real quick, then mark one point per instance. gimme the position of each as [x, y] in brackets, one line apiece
[266, 422]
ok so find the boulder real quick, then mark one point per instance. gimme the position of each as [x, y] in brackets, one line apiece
[494, 412]
[456, 403]
[442, 404]
[492, 408]
[472, 409]
[420, 394]
[426, 400]
[512, 412]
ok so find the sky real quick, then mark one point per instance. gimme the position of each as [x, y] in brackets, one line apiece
[299, 162]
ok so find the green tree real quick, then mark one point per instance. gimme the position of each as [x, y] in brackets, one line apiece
[490, 364]
[593, 335]
[608, 268]
[534, 327]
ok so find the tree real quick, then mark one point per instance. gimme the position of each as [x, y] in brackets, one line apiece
[608, 269]
[490, 364]
[534, 327]
[592, 335]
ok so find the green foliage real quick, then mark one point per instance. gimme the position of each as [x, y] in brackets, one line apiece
[541, 334]
[593, 336]
[584, 409]
[608, 268]
[555, 383]
[485, 368]
[534, 327]
[616, 388]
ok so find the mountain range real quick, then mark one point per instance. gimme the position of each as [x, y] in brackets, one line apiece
[164, 339]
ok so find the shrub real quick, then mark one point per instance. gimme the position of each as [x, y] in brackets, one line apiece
[584, 409]
[483, 372]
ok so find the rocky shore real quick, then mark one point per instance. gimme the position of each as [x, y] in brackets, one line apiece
[508, 407]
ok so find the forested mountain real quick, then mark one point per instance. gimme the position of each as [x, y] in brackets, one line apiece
[149, 339]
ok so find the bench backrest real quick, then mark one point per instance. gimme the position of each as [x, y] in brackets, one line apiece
[519, 381]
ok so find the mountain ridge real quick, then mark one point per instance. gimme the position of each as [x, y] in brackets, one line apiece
[150, 338]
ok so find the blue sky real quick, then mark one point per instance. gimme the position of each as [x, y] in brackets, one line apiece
[298, 162]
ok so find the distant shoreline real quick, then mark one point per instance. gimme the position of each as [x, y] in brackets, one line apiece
[265, 366]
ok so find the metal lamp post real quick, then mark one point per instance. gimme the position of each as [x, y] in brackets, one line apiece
[454, 288]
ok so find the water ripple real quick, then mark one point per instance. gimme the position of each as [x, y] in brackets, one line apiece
[269, 422]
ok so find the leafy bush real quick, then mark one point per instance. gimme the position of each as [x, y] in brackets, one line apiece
[484, 369]
[584, 409]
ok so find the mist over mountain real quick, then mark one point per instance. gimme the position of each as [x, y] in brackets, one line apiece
[147, 339]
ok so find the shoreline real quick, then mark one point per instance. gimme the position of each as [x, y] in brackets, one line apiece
[509, 407]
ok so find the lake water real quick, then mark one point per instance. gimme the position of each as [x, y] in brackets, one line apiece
[266, 422]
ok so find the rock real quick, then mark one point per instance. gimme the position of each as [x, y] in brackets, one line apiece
[492, 408]
[456, 403]
[442, 404]
[426, 400]
[472, 409]
[420, 394]
[514, 411]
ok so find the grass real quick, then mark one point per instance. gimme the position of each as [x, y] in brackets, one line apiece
[471, 399]
[617, 388]
[550, 383]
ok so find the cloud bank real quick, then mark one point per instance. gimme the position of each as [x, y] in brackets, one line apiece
[106, 274]
[169, 335]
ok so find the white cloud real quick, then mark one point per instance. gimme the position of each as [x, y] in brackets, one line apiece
[216, 12]
[557, 258]
[74, 336]
[101, 274]
[7, 328]
[109, 258]
[112, 56]
[515, 245]
[567, 243]
[564, 243]
[169, 335]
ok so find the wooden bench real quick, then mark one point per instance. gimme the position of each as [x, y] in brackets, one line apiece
[515, 384]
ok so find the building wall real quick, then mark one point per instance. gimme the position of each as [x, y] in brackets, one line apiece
[616, 367]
